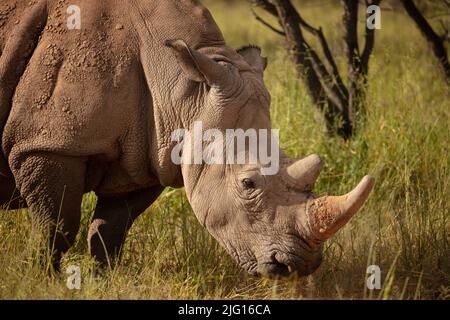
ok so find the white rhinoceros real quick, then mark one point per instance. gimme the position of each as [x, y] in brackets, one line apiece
[92, 105]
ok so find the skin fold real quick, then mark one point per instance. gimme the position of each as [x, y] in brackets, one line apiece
[94, 109]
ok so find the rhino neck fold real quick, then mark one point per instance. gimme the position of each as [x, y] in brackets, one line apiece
[173, 100]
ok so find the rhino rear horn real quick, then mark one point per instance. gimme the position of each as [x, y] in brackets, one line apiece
[305, 172]
[196, 65]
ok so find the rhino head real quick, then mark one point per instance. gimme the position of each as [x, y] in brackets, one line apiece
[272, 225]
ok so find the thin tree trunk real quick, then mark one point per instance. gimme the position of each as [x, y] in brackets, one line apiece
[301, 56]
[321, 76]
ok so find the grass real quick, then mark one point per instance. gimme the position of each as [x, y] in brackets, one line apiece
[404, 227]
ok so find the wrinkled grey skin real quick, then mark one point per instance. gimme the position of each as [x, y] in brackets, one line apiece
[94, 109]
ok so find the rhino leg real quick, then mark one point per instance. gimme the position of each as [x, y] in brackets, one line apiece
[52, 187]
[113, 218]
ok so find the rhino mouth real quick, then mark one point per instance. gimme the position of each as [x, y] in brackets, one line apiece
[283, 265]
[274, 269]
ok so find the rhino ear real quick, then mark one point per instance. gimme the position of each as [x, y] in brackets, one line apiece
[197, 66]
[252, 55]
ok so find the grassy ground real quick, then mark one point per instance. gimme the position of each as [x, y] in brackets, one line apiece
[404, 228]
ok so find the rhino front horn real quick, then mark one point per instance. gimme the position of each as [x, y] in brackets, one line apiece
[330, 213]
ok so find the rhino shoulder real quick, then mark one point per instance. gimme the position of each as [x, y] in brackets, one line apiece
[21, 24]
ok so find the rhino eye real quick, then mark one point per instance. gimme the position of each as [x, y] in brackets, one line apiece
[248, 184]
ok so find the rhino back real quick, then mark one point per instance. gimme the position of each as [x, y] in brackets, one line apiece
[101, 92]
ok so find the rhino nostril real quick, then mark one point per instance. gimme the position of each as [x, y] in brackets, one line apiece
[285, 267]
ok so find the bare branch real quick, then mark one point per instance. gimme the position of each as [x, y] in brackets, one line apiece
[435, 42]
[446, 34]
[268, 25]
[329, 56]
[266, 5]
[327, 81]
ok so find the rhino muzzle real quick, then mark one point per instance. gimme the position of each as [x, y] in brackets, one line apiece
[324, 217]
